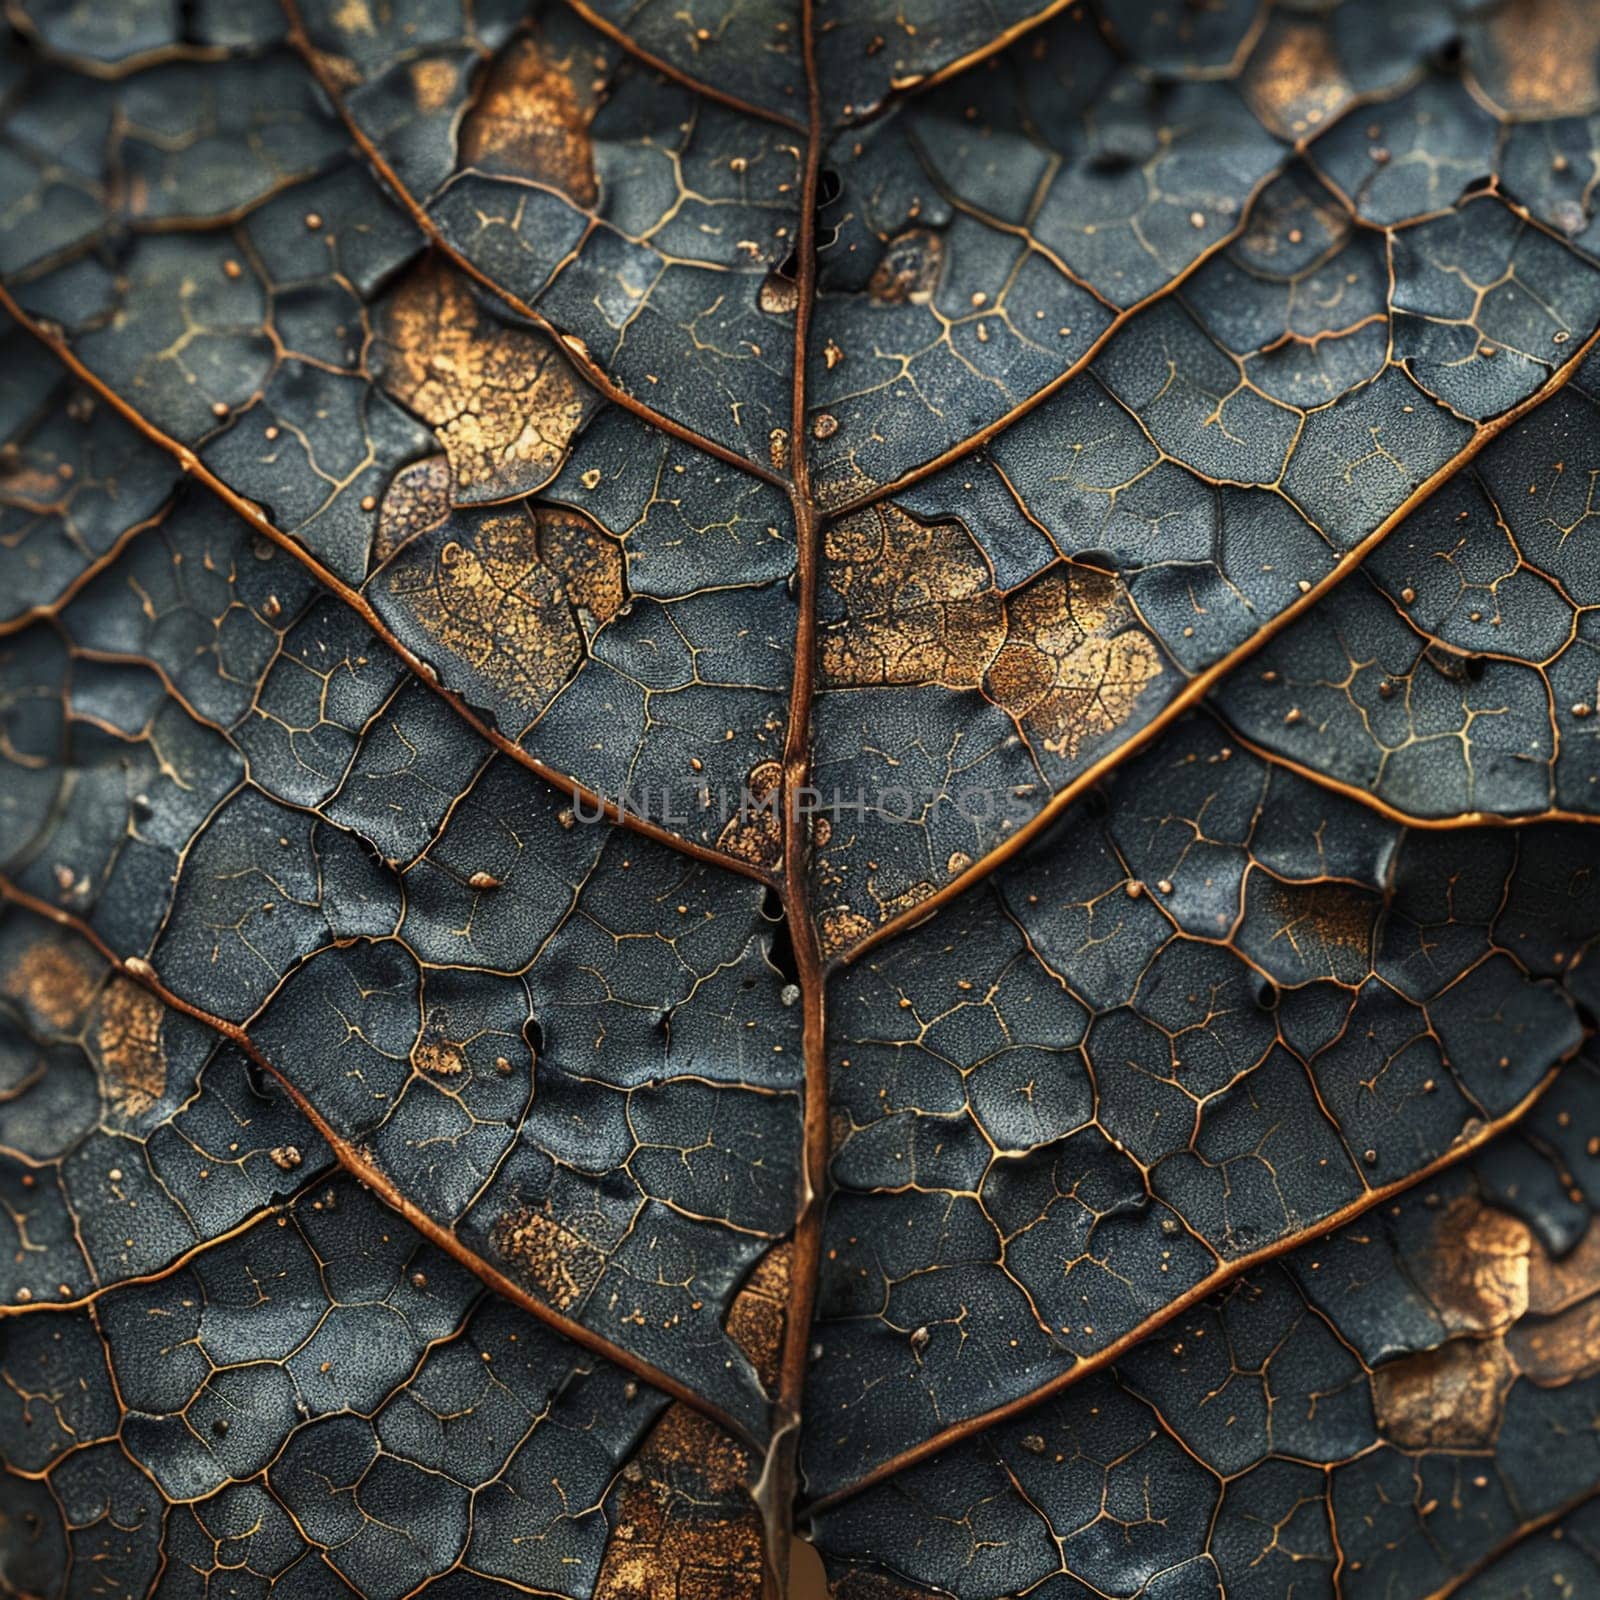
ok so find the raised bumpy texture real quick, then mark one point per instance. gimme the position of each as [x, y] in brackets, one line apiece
[1115, 483]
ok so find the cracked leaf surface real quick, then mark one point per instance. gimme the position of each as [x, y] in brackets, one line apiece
[805, 770]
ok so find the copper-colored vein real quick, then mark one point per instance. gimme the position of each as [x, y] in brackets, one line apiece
[141, 973]
[45, 609]
[573, 348]
[1201, 684]
[1223, 1275]
[212, 1241]
[1008, 36]
[363, 608]
[703, 86]
[1301, 147]
[990, 47]
[979, 437]
[1393, 813]
[109, 71]
[1528, 1530]
[776, 1491]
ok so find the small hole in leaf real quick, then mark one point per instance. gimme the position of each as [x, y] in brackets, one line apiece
[781, 950]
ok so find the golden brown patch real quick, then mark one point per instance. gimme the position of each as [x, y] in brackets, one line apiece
[339, 70]
[53, 981]
[1444, 1399]
[587, 561]
[842, 926]
[490, 602]
[1558, 1339]
[1475, 1268]
[839, 927]
[501, 597]
[838, 479]
[437, 1053]
[133, 1064]
[1490, 1282]
[1074, 663]
[433, 85]
[504, 404]
[909, 270]
[683, 1525]
[531, 120]
[756, 1317]
[559, 1263]
[349, 19]
[919, 601]
[778, 295]
[1541, 58]
[1328, 926]
[417, 499]
[1294, 81]
[1553, 1284]
[353, 16]
[1065, 656]
[1558, 1349]
[756, 835]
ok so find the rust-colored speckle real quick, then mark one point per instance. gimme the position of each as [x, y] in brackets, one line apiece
[1444, 1399]
[756, 1317]
[531, 120]
[1294, 81]
[684, 1524]
[560, 1264]
[919, 603]
[54, 982]
[417, 500]
[1075, 662]
[504, 404]
[133, 1064]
